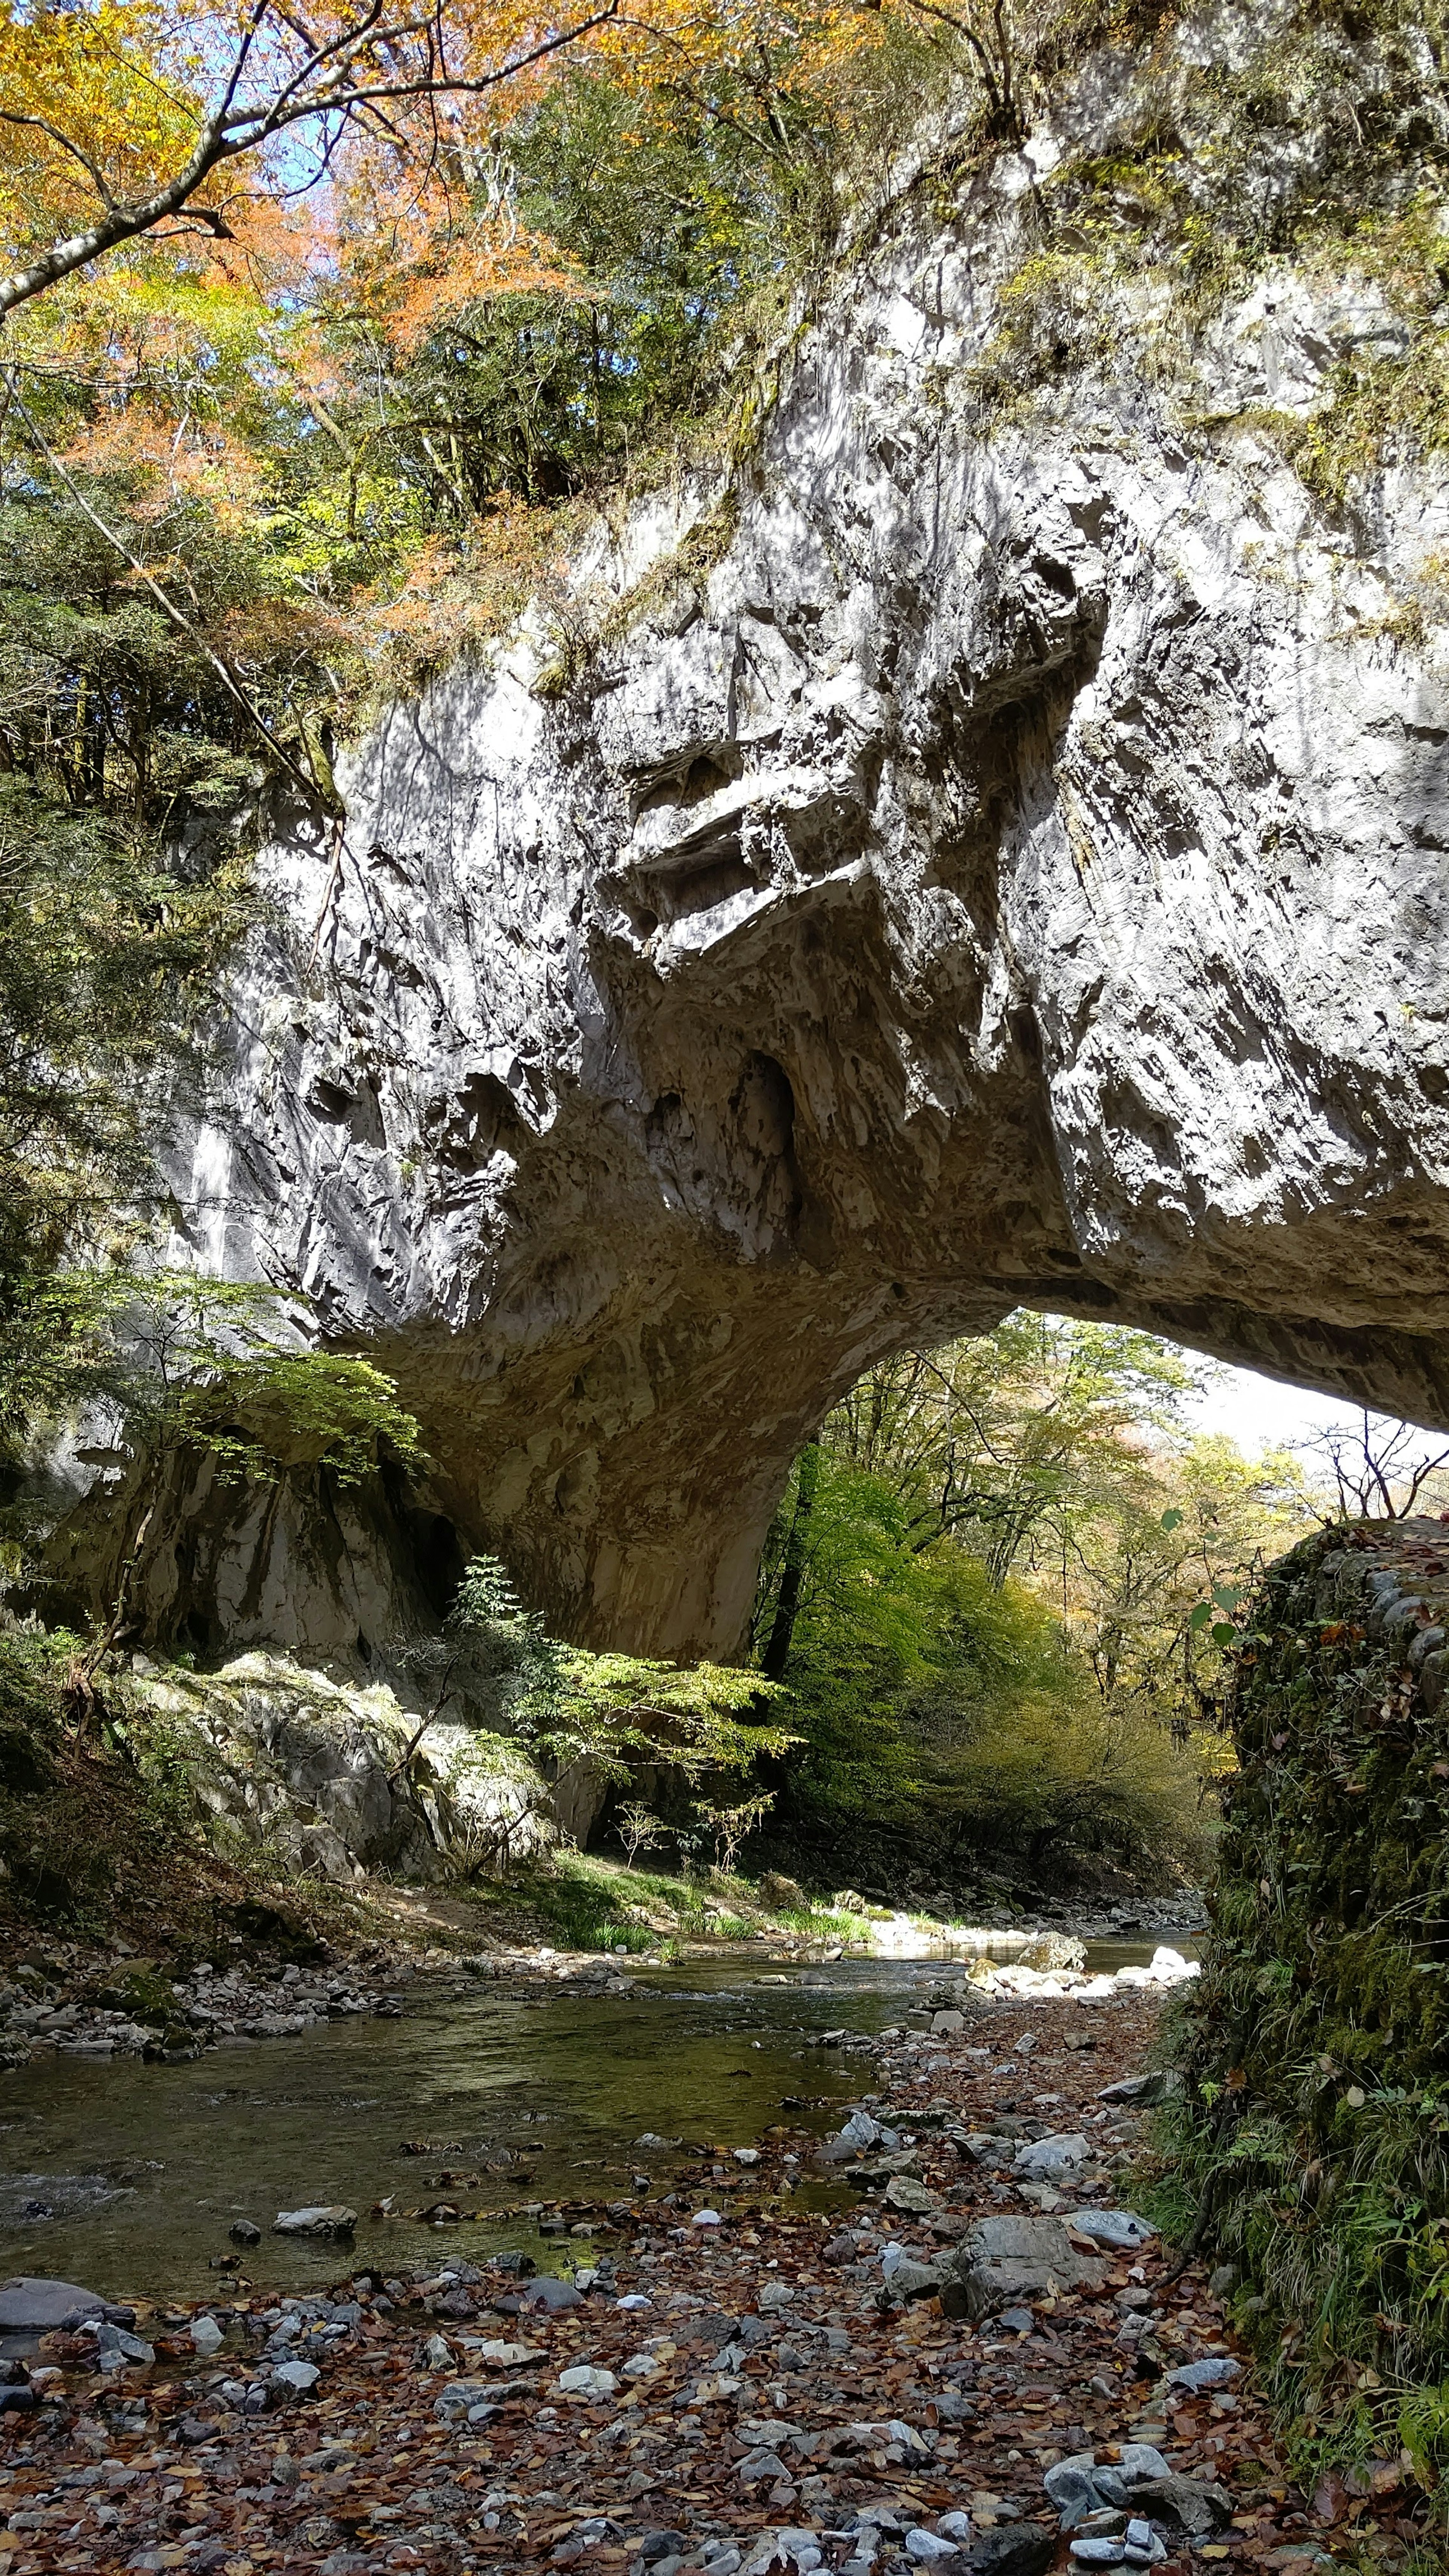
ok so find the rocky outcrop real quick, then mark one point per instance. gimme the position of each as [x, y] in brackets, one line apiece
[319, 1774]
[989, 851]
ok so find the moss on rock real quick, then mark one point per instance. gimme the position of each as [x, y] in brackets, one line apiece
[1315, 2125]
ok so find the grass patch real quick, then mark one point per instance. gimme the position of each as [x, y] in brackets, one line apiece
[589, 1902]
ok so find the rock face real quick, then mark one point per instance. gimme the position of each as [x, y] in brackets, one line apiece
[313, 1770]
[980, 857]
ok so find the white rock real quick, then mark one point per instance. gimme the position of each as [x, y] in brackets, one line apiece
[582, 2381]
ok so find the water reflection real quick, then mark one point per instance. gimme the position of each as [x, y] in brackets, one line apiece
[142, 2169]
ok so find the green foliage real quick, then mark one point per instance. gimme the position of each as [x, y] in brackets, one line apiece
[638, 1829]
[1014, 1582]
[610, 1710]
[29, 1722]
[205, 1367]
[106, 948]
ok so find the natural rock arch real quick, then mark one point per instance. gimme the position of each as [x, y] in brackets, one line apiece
[971, 867]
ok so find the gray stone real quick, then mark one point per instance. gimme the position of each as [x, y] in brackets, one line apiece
[549, 2294]
[1009, 2258]
[30, 2305]
[329, 2220]
[909, 2280]
[1200, 2509]
[1217, 2371]
[1048, 2159]
[1157, 2087]
[1136, 2463]
[1022, 2549]
[298, 2375]
[1071, 2484]
[1120, 2229]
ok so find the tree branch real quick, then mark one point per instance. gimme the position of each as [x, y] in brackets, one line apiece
[231, 130]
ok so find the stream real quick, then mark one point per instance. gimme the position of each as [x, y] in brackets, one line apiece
[126, 2176]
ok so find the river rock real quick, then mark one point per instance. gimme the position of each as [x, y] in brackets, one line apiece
[1156, 2087]
[298, 2375]
[1024, 2549]
[1216, 2371]
[1120, 2229]
[329, 2220]
[902, 2192]
[30, 2305]
[1200, 2508]
[582, 2381]
[549, 2295]
[1072, 2486]
[1137, 2464]
[1006, 2258]
[1048, 2159]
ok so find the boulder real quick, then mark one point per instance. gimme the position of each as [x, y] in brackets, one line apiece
[323, 2220]
[1200, 2509]
[30, 2305]
[1009, 2258]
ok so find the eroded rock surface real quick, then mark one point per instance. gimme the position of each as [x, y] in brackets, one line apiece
[978, 858]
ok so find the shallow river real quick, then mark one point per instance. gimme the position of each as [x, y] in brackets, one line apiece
[142, 2169]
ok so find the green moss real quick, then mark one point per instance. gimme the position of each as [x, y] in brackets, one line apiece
[1313, 2138]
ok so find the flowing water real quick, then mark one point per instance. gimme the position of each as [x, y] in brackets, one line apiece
[126, 2177]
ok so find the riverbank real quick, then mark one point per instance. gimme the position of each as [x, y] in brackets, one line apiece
[274, 1962]
[762, 2376]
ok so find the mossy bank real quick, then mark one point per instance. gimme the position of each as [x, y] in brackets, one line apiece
[1312, 2146]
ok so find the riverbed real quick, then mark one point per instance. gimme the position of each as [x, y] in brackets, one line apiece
[128, 2176]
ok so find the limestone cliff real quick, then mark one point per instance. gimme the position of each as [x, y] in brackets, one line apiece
[987, 849]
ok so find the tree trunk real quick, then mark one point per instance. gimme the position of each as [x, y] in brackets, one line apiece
[792, 1577]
